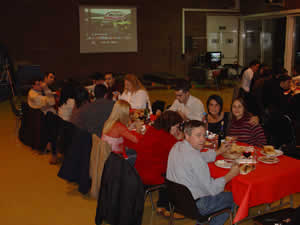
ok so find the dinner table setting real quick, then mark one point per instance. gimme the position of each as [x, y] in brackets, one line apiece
[266, 175]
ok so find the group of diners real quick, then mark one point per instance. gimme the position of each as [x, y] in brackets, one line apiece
[171, 147]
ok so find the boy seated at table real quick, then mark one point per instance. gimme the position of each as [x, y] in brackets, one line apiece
[187, 165]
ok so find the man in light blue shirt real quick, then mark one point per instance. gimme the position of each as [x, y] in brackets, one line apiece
[188, 166]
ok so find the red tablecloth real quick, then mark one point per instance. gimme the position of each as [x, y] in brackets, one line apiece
[266, 184]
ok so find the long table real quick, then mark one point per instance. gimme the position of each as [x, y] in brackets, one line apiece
[266, 184]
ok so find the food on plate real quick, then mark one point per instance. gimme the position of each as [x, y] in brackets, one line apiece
[268, 159]
[230, 138]
[223, 163]
[246, 168]
[229, 155]
[269, 150]
[236, 148]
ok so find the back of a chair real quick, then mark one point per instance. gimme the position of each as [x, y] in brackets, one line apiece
[33, 130]
[181, 198]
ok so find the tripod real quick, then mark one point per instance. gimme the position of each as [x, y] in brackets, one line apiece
[8, 78]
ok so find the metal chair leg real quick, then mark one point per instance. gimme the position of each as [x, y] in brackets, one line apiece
[171, 220]
[152, 204]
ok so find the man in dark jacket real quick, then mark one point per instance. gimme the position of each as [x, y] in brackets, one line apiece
[92, 116]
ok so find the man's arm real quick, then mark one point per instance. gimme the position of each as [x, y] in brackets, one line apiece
[203, 179]
[174, 106]
[195, 110]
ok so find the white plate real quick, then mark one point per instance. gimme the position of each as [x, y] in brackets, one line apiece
[277, 153]
[245, 161]
[267, 159]
[223, 164]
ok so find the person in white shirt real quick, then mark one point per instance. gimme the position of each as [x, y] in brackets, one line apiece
[188, 165]
[248, 74]
[188, 106]
[40, 96]
[135, 93]
[66, 101]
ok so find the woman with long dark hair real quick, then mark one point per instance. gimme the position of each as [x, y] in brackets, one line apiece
[240, 126]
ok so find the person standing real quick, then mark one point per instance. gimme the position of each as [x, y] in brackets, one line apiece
[246, 84]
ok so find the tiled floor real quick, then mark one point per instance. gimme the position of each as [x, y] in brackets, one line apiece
[32, 194]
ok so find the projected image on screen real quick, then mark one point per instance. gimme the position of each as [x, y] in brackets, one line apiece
[107, 29]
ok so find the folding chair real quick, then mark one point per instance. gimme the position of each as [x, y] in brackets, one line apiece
[181, 200]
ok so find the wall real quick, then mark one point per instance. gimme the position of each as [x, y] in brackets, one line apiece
[47, 33]
[259, 6]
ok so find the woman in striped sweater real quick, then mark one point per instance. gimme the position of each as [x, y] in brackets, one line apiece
[241, 128]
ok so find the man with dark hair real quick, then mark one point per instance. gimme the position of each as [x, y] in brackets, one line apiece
[246, 84]
[248, 74]
[188, 106]
[275, 98]
[40, 96]
[92, 116]
[100, 91]
[113, 87]
[187, 165]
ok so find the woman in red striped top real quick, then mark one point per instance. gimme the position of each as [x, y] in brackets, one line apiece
[241, 128]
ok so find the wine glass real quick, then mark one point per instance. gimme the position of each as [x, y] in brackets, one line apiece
[247, 154]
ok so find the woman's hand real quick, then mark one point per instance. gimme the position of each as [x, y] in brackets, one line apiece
[254, 120]
[116, 95]
[139, 126]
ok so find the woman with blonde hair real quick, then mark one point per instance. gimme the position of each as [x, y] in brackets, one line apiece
[115, 128]
[135, 93]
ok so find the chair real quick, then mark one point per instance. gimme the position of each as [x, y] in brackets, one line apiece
[181, 200]
[33, 130]
[151, 189]
[216, 74]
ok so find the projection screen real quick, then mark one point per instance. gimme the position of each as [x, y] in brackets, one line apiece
[107, 29]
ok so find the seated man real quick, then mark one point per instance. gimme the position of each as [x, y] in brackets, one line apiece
[188, 106]
[40, 96]
[114, 88]
[187, 165]
[92, 116]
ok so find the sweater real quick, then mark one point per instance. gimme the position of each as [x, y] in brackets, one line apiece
[246, 132]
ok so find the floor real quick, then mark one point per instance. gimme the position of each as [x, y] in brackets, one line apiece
[32, 194]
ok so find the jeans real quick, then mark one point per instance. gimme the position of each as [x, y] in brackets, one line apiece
[210, 204]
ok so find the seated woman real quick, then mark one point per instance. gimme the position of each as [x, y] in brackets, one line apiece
[115, 128]
[240, 126]
[152, 153]
[135, 93]
[217, 120]
[66, 101]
